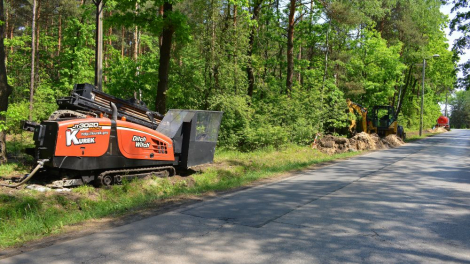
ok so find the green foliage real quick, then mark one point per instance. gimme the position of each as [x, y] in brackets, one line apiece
[461, 23]
[236, 118]
[368, 51]
[262, 135]
[129, 77]
[460, 108]
[75, 62]
[373, 70]
[16, 112]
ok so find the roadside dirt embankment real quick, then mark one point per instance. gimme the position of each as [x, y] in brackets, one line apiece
[437, 130]
[362, 141]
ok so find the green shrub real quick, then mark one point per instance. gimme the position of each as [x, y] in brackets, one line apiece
[264, 135]
[235, 121]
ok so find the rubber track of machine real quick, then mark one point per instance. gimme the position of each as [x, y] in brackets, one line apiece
[99, 182]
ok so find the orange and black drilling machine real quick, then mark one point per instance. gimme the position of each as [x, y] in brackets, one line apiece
[100, 139]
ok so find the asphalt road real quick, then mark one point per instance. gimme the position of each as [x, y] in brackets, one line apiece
[405, 205]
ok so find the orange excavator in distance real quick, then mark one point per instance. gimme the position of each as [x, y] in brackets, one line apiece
[381, 119]
[95, 138]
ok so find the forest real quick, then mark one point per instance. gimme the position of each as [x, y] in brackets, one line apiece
[280, 70]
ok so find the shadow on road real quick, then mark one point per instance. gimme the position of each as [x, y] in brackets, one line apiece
[405, 205]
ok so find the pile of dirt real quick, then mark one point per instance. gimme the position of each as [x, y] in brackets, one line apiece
[331, 144]
[392, 141]
[437, 130]
[362, 141]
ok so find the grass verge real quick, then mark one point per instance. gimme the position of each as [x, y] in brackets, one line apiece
[27, 215]
[414, 135]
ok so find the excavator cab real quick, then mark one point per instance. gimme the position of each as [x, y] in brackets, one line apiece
[382, 116]
[383, 121]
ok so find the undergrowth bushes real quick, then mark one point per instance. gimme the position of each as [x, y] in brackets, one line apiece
[273, 121]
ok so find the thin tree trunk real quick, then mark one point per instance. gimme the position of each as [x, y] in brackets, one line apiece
[280, 56]
[290, 47]
[160, 38]
[404, 90]
[208, 66]
[135, 38]
[135, 47]
[11, 37]
[123, 42]
[6, 30]
[38, 25]
[327, 49]
[33, 53]
[38, 16]
[265, 50]
[249, 67]
[5, 89]
[59, 43]
[214, 70]
[235, 57]
[106, 54]
[164, 67]
[99, 45]
[322, 91]
[299, 56]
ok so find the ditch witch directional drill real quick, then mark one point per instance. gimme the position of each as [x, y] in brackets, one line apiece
[100, 139]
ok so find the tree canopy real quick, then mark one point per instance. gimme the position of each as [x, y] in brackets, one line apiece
[280, 70]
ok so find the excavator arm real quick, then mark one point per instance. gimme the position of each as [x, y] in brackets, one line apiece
[352, 106]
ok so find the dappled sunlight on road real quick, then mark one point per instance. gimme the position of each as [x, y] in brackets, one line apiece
[404, 205]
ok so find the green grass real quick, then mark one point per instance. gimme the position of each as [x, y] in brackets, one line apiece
[28, 215]
[13, 168]
[414, 135]
[19, 162]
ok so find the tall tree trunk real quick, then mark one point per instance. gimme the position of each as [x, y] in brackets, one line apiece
[12, 28]
[38, 17]
[6, 29]
[33, 54]
[404, 90]
[59, 41]
[38, 25]
[266, 50]
[327, 49]
[135, 37]
[214, 69]
[164, 67]
[160, 13]
[135, 46]
[280, 57]
[108, 47]
[290, 47]
[299, 56]
[5, 89]
[249, 67]
[123, 42]
[99, 45]
[59, 44]
[235, 59]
